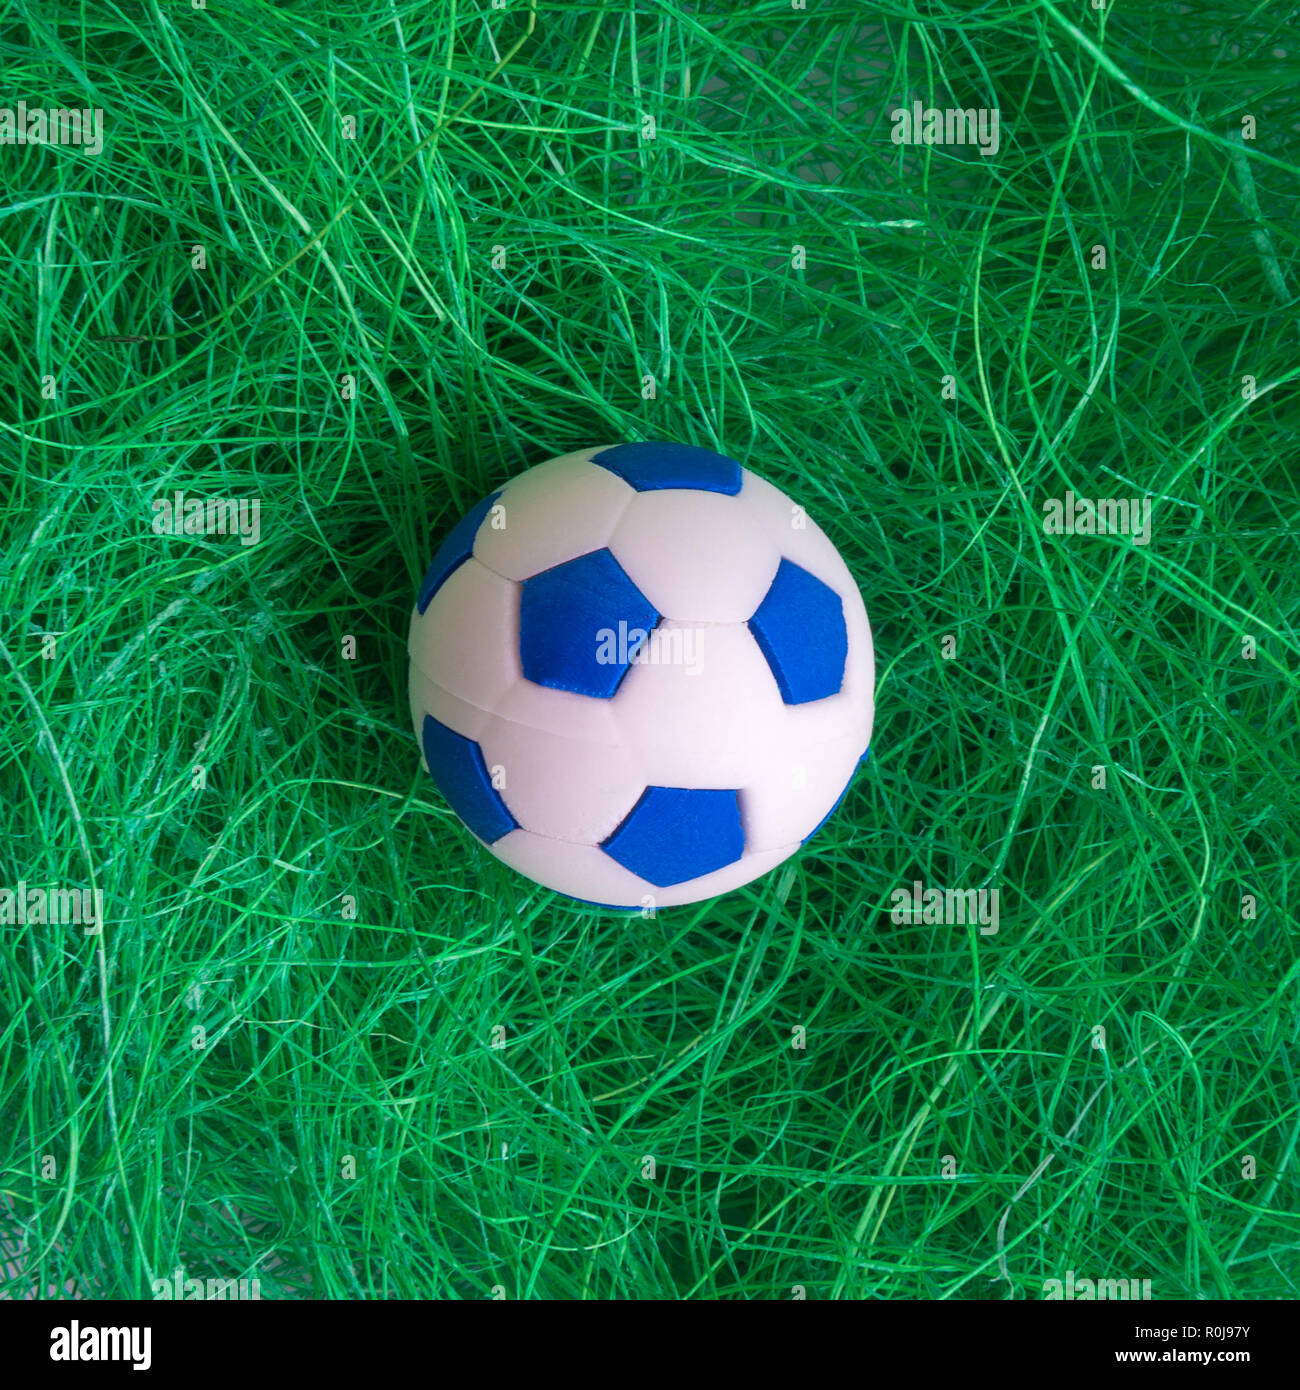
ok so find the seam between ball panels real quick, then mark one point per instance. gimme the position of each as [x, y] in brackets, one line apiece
[605, 545]
[541, 729]
[496, 714]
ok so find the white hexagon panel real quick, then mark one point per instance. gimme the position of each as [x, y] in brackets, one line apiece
[641, 675]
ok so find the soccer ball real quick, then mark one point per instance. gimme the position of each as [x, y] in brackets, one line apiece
[640, 675]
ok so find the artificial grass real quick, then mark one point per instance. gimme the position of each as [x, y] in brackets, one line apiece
[501, 267]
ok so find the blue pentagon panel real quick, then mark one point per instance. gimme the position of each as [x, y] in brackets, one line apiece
[839, 800]
[651, 467]
[800, 629]
[462, 777]
[673, 834]
[578, 625]
[455, 550]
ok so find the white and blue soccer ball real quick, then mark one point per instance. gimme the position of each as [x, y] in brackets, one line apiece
[640, 674]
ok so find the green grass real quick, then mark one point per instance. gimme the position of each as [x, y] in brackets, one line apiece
[951, 1129]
